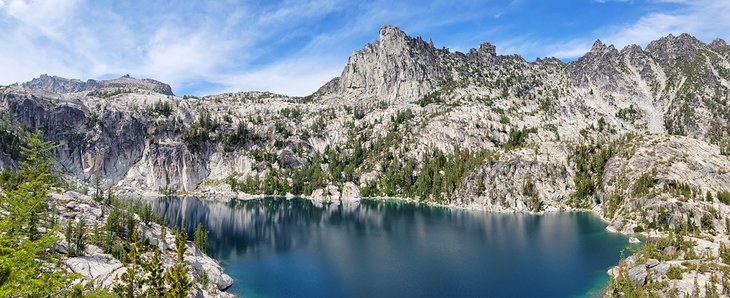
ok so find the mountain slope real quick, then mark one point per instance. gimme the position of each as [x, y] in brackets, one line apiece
[638, 135]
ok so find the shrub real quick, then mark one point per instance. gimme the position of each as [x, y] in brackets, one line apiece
[528, 189]
[517, 138]
[725, 253]
[675, 272]
[161, 108]
[642, 185]
[724, 197]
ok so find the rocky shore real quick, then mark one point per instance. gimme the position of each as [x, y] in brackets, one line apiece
[102, 270]
[639, 136]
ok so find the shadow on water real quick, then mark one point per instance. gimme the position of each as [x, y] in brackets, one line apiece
[276, 248]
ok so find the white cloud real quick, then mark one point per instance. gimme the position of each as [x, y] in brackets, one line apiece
[238, 48]
[298, 76]
[46, 16]
[694, 18]
[61, 37]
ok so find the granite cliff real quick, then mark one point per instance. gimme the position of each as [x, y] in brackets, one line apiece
[638, 135]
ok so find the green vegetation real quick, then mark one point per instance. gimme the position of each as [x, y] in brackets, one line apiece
[630, 114]
[675, 272]
[240, 137]
[112, 93]
[518, 138]
[644, 183]
[438, 179]
[176, 277]
[27, 229]
[725, 148]
[29, 266]
[656, 248]
[724, 197]
[200, 238]
[725, 253]
[590, 161]
[198, 134]
[147, 276]
[76, 237]
[678, 189]
[528, 188]
[162, 108]
[10, 138]
[294, 114]
[440, 96]
[93, 120]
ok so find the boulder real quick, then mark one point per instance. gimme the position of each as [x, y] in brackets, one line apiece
[99, 268]
[350, 191]
[637, 275]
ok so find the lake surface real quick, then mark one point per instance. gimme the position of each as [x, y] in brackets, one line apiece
[291, 248]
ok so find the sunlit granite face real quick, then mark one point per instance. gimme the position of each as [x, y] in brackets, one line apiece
[278, 247]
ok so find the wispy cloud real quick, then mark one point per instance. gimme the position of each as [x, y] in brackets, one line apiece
[293, 47]
[705, 19]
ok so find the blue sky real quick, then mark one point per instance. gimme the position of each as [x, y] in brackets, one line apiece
[293, 47]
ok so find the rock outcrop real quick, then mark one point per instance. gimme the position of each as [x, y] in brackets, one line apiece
[556, 136]
[394, 67]
[133, 133]
[102, 269]
[125, 83]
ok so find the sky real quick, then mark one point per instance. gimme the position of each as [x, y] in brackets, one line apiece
[294, 47]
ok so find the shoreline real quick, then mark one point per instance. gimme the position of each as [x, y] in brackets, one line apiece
[594, 290]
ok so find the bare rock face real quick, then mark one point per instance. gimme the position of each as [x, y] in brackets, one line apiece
[485, 54]
[672, 47]
[542, 126]
[57, 84]
[350, 191]
[399, 95]
[395, 67]
[525, 180]
[101, 269]
[90, 144]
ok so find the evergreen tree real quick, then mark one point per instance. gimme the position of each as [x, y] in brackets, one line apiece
[77, 292]
[146, 214]
[130, 283]
[177, 277]
[75, 237]
[178, 281]
[200, 238]
[27, 229]
[180, 239]
[156, 276]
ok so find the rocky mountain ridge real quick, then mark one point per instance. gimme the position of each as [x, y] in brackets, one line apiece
[406, 119]
[57, 84]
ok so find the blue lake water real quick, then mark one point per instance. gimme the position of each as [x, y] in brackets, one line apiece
[291, 248]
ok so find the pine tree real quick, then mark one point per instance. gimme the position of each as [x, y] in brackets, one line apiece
[98, 192]
[156, 278]
[130, 283]
[146, 214]
[176, 277]
[75, 237]
[80, 236]
[178, 281]
[27, 229]
[77, 292]
[180, 239]
[200, 238]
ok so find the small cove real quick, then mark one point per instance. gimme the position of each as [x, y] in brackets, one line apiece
[282, 248]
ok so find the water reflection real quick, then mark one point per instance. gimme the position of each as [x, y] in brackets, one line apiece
[392, 248]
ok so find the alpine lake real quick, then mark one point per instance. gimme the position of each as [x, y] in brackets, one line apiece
[277, 247]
